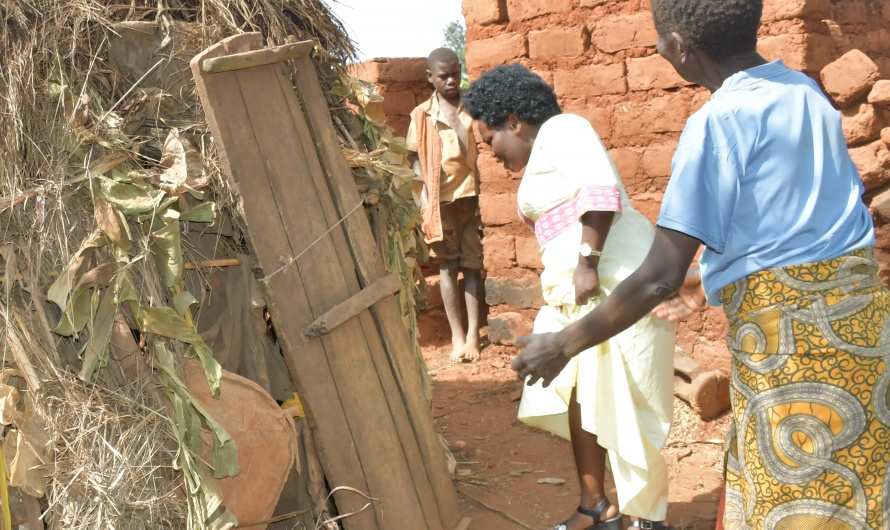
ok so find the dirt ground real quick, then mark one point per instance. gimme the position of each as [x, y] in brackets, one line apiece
[501, 462]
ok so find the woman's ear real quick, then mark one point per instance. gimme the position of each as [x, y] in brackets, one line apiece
[679, 45]
[513, 123]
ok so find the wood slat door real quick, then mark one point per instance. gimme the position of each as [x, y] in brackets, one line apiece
[310, 235]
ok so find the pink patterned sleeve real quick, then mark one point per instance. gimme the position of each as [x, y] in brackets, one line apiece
[598, 199]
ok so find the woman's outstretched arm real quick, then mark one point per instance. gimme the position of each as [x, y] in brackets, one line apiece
[661, 274]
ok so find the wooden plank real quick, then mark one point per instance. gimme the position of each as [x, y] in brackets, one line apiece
[253, 58]
[383, 462]
[386, 313]
[307, 363]
[353, 306]
[364, 402]
[411, 445]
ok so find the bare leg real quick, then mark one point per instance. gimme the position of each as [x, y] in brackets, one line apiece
[473, 296]
[590, 460]
[448, 270]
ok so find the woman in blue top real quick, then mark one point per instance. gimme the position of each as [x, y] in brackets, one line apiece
[763, 179]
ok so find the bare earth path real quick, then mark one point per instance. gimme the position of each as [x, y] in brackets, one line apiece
[501, 462]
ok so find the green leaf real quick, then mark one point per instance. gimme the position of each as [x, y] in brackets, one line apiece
[95, 354]
[131, 197]
[112, 223]
[202, 213]
[167, 253]
[165, 322]
[61, 288]
[185, 302]
[77, 312]
[340, 90]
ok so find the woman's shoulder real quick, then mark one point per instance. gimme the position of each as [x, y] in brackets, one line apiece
[568, 127]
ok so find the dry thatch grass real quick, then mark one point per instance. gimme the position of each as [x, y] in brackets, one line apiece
[58, 94]
[112, 469]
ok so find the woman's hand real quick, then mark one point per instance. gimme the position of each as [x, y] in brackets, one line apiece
[688, 300]
[542, 357]
[586, 281]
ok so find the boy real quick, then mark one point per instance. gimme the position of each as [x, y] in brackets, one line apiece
[443, 150]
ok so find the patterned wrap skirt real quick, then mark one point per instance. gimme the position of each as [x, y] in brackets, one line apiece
[810, 440]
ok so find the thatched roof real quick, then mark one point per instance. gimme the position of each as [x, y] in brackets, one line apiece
[105, 160]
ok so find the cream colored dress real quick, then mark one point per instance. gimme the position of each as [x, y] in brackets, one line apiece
[625, 385]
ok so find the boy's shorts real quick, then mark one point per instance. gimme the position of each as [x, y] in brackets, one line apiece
[461, 232]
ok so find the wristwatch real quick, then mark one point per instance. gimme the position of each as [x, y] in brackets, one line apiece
[586, 250]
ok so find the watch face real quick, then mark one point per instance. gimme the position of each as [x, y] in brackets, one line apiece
[585, 249]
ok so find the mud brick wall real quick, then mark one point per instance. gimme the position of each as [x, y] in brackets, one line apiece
[403, 84]
[600, 57]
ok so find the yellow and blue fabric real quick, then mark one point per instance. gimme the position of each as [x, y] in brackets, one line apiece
[810, 440]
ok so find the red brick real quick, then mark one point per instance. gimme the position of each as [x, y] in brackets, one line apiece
[787, 9]
[528, 253]
[698, 100]
[657, 160]
[557, 42]
[505, 328]
[498, 209]
[652, 72]
[499, 252]
[526, 9]
[593, 3]
[880, 206]
[852, 13]
[807, 53]
[399, 103]
[523, 293]
[594, 80]
[599, 117]
[862, 123]
[648, 204]
[497, 50]
[399, 124]
[884, 66]
[484, 12]
[489, 168]
[873, 161]
[546, 75]
[662, 114]
[629, 162]
[849, 78]
[885, 136]
[624, 32]
[880, 93]
[403, 69]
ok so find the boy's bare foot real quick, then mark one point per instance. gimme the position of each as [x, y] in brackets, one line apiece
[457, 350]
[471, 352]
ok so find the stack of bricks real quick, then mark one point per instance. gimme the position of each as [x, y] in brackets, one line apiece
[403, 84]
[600, 57]
[855, 85]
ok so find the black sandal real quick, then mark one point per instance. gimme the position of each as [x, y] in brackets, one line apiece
[597, 513]
[650, 525]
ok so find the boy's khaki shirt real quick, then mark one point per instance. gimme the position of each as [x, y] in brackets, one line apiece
[457, 178]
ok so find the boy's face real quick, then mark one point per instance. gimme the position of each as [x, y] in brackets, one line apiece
[510, 143]
[445, 77]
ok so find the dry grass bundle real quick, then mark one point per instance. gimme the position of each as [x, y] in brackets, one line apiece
[76, 131]
[86, 143]
[112, 468]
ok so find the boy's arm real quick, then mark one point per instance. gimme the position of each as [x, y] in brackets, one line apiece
[418, 187]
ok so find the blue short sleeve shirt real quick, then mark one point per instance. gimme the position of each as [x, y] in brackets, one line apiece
[763, 178]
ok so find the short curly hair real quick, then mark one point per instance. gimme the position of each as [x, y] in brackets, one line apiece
[510, 90]
[720, 28]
